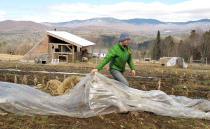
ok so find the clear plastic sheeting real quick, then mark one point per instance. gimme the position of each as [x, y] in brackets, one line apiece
[95, 95]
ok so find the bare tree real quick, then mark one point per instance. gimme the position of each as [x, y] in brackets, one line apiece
[168, 47]
[205, 45]
[23, 48]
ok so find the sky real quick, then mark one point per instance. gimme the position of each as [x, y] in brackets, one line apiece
[68, 10]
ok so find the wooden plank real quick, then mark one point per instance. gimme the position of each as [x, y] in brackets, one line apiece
[67, 53]
[69, 48]
[65, 44]
[78, 49]
[73, 53]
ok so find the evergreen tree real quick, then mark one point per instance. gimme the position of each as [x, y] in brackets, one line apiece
[156, 53]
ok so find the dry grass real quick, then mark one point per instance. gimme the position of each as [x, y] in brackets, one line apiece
[8, 57]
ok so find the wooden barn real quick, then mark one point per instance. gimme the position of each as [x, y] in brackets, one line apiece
[59, 46]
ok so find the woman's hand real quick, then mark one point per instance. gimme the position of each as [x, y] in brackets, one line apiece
[94, 70]
[133, 73]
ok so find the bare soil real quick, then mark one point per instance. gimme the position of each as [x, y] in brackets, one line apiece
[193, 83]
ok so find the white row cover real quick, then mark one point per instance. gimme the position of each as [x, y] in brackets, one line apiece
[97, 95]
[177, 60]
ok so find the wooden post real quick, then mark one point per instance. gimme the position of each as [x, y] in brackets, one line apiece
[15, 79]
[187, 92]
[78, 49]
[50, 50]
[159, 84]
[77, 52]
[25, 81]
[206, 61]
[35, 81]
[5, 77]
[43, 82]
[72, 53]
[208, 96]
[172, 91]
[191, 59]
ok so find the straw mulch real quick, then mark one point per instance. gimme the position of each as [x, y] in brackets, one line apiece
[57, 88]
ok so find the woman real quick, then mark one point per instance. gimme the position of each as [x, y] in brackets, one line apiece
[118, 55]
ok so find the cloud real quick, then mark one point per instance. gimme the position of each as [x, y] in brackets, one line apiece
[51, 17]
[184, 11]
[34, 18]
[2, 15]
[187, 10]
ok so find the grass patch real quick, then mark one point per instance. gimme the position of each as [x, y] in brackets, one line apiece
[33, 117]
[182, 87]
[180, 119]
[192, 122]
[205, 122]
[19, 114]
[205, 82]
[44, 117]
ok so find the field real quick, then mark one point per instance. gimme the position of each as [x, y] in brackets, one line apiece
[193, 82]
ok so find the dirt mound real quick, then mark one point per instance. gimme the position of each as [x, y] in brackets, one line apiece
[57, 88]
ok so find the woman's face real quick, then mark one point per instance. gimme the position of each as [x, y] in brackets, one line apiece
[126, 42]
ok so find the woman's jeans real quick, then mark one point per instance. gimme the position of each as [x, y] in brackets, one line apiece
[118, 76]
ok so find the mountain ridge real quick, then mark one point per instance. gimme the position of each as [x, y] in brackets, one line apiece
[135, 21]
[140, 29]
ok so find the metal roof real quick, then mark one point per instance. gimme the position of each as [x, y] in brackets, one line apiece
[70, 38]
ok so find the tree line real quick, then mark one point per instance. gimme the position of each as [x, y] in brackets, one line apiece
[196, 46]
[15, 49]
